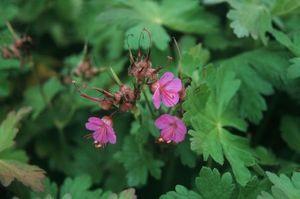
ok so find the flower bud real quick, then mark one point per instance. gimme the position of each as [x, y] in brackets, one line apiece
[107, 120]
[117, 97]
[154, 86]
[126, 107]
[106, 104]
[6, 54]
[182, 93]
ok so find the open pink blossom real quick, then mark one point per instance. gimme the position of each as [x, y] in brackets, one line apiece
[103, 132]
[166, 90]
[172, 128]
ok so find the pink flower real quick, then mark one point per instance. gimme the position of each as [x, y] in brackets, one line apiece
[166, 90]
[103, 131]
[172, 128]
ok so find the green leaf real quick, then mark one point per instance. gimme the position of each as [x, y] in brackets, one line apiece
[196, 57]
[187, 156]
[138, 162]
[12, 164]
[212, 185]
[181, 193]
[39, 97]
[31, 10]
[210, 120]
[294, 70]
[290, 132]
[50, 192]
[285, 40]
[158, 34]
[253, 188]
[127, 194]
[283, 186]
[283, 7]
[8, 10]
[4, 86]
[265, 157]
[257, 79]
[6, 64]
[8, 128]
[79, 188]
[196, 99]
[6, 38]
[250, 18]
[181, 15]
[187, 16]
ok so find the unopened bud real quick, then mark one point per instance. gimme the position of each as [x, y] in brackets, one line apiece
[154, 86]
[107, 120]
[126, 107]
[6, 54]
[106, 104]
[182, 93]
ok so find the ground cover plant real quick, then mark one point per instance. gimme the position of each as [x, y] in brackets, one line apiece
[150, 99]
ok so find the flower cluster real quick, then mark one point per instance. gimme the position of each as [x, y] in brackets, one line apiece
[85, 69]
[168, 90]
[18, 50]
[141, 68]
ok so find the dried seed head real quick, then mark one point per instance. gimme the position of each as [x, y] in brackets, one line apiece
[20, 49]
[127, 93]
[117, 97]
[85, 69]
[142, 69]
[126, 106]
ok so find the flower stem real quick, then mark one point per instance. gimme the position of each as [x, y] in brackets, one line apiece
[258, 170]
[11, 30]
[209, 162]
[180, 58]
[116, 78]
[148, 104]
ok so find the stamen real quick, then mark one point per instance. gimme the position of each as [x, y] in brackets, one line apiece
[160, 140]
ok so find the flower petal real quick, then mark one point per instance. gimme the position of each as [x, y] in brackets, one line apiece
[178, 136]
[180, 126]
[167, 133]
[169, 99]
[167, 77]
[164, 121]
[111, 135]
[100, 136]
[174, 86]
[107, 120]
[95, 120]
[180, 130]
[91, 126]
[156, 99]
